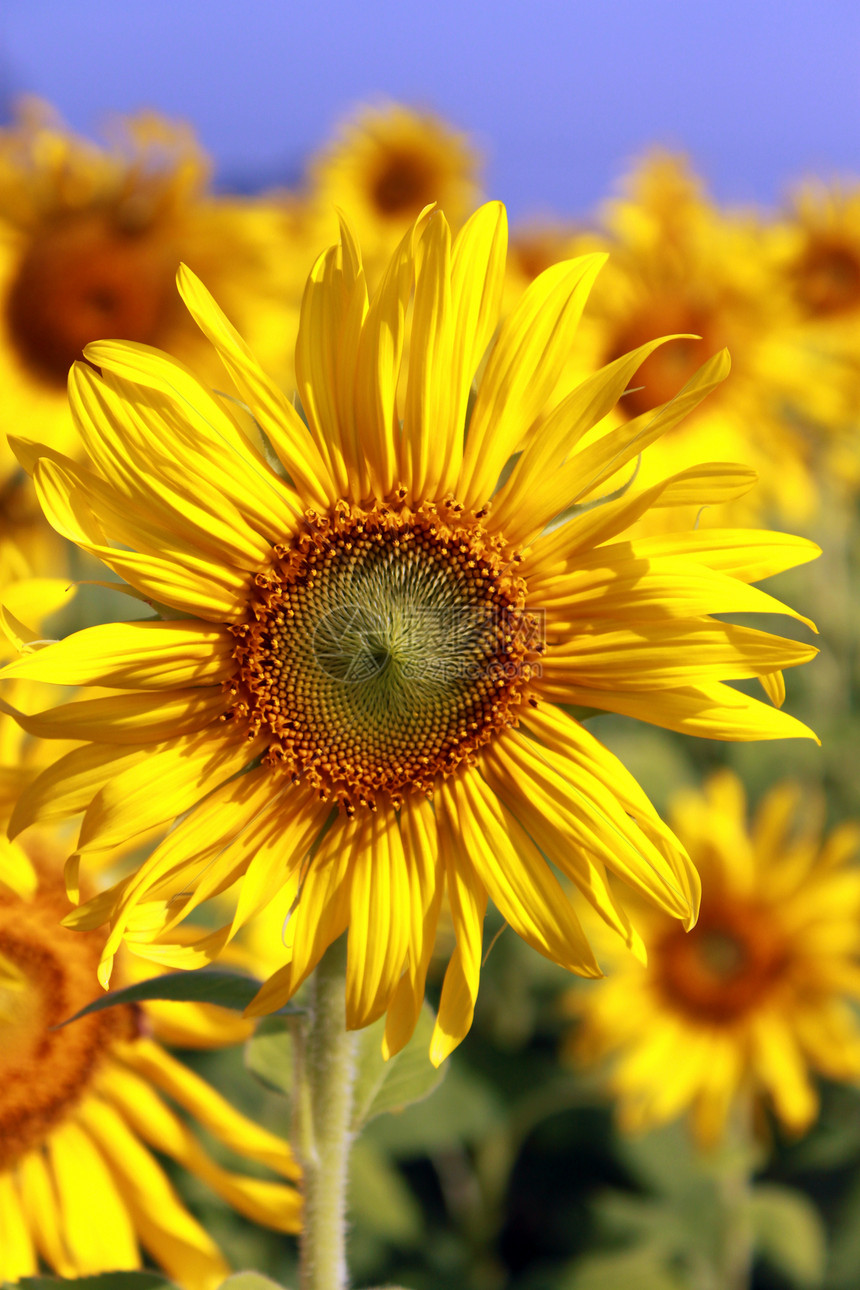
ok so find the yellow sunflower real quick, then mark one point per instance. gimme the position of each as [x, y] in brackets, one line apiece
[823, 251]
[679, 265]
[759, 995]
[815, 250]
[385, 166]
[360, 692]
[90, 239]
[83, 1108]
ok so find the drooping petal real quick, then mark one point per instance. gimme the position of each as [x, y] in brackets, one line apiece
[165, 1227]
[86, 1187]
[379, 922]
[516, 876]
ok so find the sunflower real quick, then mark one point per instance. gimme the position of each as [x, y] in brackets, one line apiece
[82, 1108]
[90, 239]
[360, 692]
[823, 250]
[679, 265]
[760, 994]
[385, 166]
[815, 250]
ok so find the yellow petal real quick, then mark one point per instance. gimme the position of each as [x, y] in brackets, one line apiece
[280, 421]
[517, 877]
[149, 655]
[208, 1108]
[85, 1187]
[468, 899]
[523, 372]
[379, 921]
[17, 1256]
[176, 1240]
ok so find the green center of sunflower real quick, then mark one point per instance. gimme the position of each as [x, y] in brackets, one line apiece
[383, 649]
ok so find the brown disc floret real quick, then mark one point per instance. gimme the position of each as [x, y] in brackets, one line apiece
[383, 648]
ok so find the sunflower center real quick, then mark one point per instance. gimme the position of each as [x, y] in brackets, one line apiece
[827, 278]
[404, 185]
[724, 967]
[664, 372]
[88, 277]
[47, 974]
[383, 648]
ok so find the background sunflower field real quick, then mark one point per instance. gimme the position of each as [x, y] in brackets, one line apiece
[713, 152]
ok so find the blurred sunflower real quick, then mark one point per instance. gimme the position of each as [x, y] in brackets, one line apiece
[679, 265]
[759, 995]
[815, 250]
[90, 240]
[80, 1107]
[360, 697]
[385, 166]
[823, 261]
[83, 1108]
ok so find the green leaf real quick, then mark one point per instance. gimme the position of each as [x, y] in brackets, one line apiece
[380, 1200]
[103, 1281]
[204, 985]
[789, 1234]
[250, 1281]
[465, 1109]
[391, 1085]
[644, 1267]
[269, 1054]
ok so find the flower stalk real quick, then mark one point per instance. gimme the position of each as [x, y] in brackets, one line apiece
[322, 1113]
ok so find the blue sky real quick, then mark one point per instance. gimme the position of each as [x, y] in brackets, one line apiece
[559, 96]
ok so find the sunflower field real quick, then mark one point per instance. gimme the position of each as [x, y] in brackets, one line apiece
[428, 737]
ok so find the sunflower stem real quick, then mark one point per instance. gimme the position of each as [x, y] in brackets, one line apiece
[735, 1190]
[322, 1135]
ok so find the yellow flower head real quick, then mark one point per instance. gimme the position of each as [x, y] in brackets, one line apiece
[822, 252]
[360, 694]
[387, 164]
[81, 1108]
[679, 265]
[90, 239]
[758, 995]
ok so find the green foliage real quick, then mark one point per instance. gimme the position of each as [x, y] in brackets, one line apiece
[380, 1200]
[700, 1216]
[642, 1268]
[788, 1233]
[249, 1281]
[269, 1054]
[391, 1085]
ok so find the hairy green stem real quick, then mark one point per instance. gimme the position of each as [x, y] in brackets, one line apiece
[322, 1112]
